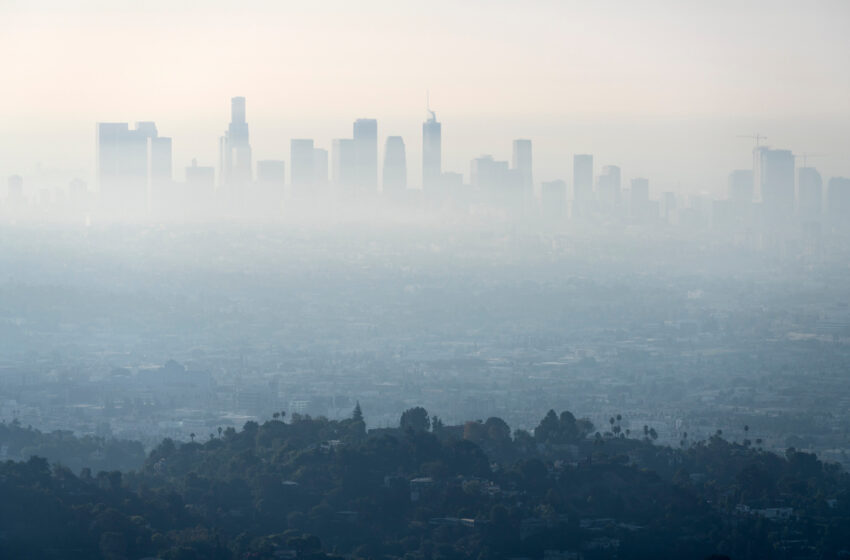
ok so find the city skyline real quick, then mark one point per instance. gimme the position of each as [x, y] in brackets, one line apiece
[503, 151]
[680, 82]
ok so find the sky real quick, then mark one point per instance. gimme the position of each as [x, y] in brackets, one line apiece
[662, 88]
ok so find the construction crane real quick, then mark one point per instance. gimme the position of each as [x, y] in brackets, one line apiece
[756, 137]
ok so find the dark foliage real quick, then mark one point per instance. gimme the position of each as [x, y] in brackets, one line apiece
[314, 488]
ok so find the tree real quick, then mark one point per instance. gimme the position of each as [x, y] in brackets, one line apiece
[547, 430]
[497, 429]
[415, 419]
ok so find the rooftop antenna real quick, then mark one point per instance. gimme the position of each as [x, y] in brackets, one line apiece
[433, 116]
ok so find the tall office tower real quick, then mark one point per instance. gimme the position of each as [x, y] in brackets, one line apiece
[608, 189]
[200, 181]
[671, 207]
[582, 184]
[366, 154]
[129, 163]
[159, 160]
[485, 173]
[838, 202]
[200, 188]
[737, 210]
[15, 192]
[235, 148]
[302, 167]
[809, 194]
[343, 165]
[159, 172]
[639, 199]
[320, 170]
[498, 183]
[432, 152]
[553, 199]
[395, 166]
[522, 163]
[740, 187]
[774, 181]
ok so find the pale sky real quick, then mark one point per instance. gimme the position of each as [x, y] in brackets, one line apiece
[661, 88]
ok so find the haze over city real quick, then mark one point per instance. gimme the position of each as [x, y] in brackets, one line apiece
[337, 280]
[660, 88]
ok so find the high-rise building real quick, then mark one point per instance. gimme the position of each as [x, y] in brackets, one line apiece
[809, 194]
[497, 182]
[200, 178]
[320, 170]
[671, 207]
[366, 154]
[553, 199]
[159, 160]
[486, 173]
[838, 202]
[130, 162]
[395, 166]
[639, 199]
[344, 165]
[582, 183]
[432, 152]
[774, 181]
[302, 164]
[740, 187]
[608, 189]
[235, 148]
[522, 163]
[160, 175]
[200, 185]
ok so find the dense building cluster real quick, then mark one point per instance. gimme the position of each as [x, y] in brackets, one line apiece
[135, 179]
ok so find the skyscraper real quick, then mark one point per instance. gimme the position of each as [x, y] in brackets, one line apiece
[235, 148]
[553, 199]
[740, 187]
[159, 172]
[809, 194]
[774, 181]
[639, 199]
[366, 154]
[608, 189]
[432, 152]
[200, 179]
[838, 202]
[200, 186]
[302, 164]
[522, 163]
[582, 184]
[343, 165]
[395, 167]
[129, 163]
[320, 170]
[497, 183]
